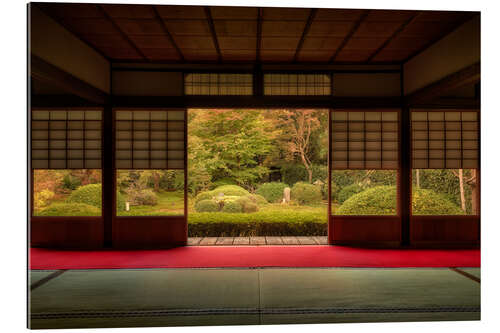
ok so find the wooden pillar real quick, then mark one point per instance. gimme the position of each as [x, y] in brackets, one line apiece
[108, 174]
[404, 191]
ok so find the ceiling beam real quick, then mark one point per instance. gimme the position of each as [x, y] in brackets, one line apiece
[353, 30]
[212, 30]
[167, 33]
[401, 28]
[48, 12]
[259, 35]
[305, 32]
[122, 33]
[445, 33]
[468, 75]
[45, 72]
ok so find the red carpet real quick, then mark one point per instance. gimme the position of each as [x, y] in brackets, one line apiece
[253, 256]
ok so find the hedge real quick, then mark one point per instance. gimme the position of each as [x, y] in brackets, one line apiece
[91, 194]
[306, 194]
[257, 224]
[228, 190]
[70, 209]
[206, 206]
[348, 192]
[381, 200]
[232, 206]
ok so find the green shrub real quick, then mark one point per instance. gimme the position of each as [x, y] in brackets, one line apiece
[247, 205]
[42, 199]
[71, 182]
[141, 197]
[334, 193]
[91, 194]
[70, 209]
[381, 200]
[208, 195]
[223, 182]
[262, 223]
[230, 190]
[272, 192]
[206, 206]
[232, 206]
[348, 192]
[306, 194]
[257, 199]
[294, 172]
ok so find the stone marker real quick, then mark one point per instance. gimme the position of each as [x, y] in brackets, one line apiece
[286, 194]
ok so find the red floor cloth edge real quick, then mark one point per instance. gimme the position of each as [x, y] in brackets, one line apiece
[252, 256]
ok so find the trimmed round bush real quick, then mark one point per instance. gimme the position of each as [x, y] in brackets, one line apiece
[142, 197]
[232, 206]
[247, 205]
[348, 192]
[272, 192]
[70, 209]
[208, 195]
[91, 194]
[306, 194]
[230, 190]
[206, 206]
[381, 200]
[257, 199]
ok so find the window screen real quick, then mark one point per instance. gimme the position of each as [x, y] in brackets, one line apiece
[297, 84]
[218, 84]
[66, 139]
[445, 139]
[150, 139]
[364, 139]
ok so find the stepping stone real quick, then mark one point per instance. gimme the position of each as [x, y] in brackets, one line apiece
[321, 240]
[224, 241]
[194, 240]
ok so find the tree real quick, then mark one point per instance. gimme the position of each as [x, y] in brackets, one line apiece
[231, 143]
[299, 127]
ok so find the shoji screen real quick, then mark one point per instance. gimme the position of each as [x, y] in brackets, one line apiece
[445, 139]
[364, 139]
[297, 84]
[150, 139]
[218, 84]
[66, 139]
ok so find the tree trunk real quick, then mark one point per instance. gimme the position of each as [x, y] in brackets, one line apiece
[473, 186]
[462, 194]
[308, 168]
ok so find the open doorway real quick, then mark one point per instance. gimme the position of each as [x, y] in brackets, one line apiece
[257, 176]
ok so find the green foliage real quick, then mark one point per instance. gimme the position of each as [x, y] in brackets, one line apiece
[262, 223]
[70, 209]
[92, 195]
[257, 199]
[222, 182]
[306, 194]
[247, 204]
[206, 206]
[295, 172]
[71, 182]
[334, 192]
[381, 200]
[232, 206]
[348, 192]
[42, 199]
[139, 197]
[230, 190]
[272, 192]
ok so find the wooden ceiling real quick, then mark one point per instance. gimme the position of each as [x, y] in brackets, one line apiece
[171, 34]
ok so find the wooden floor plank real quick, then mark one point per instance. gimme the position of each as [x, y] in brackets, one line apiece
[194, 240]
[241, 241]
[258, 240]
[306, 240]
[224, 241]
[273, 240]
[290, 240]
[320, 240]
[208, 241]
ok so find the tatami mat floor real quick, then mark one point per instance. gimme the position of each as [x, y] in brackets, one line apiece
[168, 297]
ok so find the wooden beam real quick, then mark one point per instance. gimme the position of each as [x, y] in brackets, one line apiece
[468, 75]
[305, 32]
[45, 72]
[394, 35]
[167, 33]
[259, 35]
[122, 33]
[353, 30]
[214, 34]
[441, 36]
